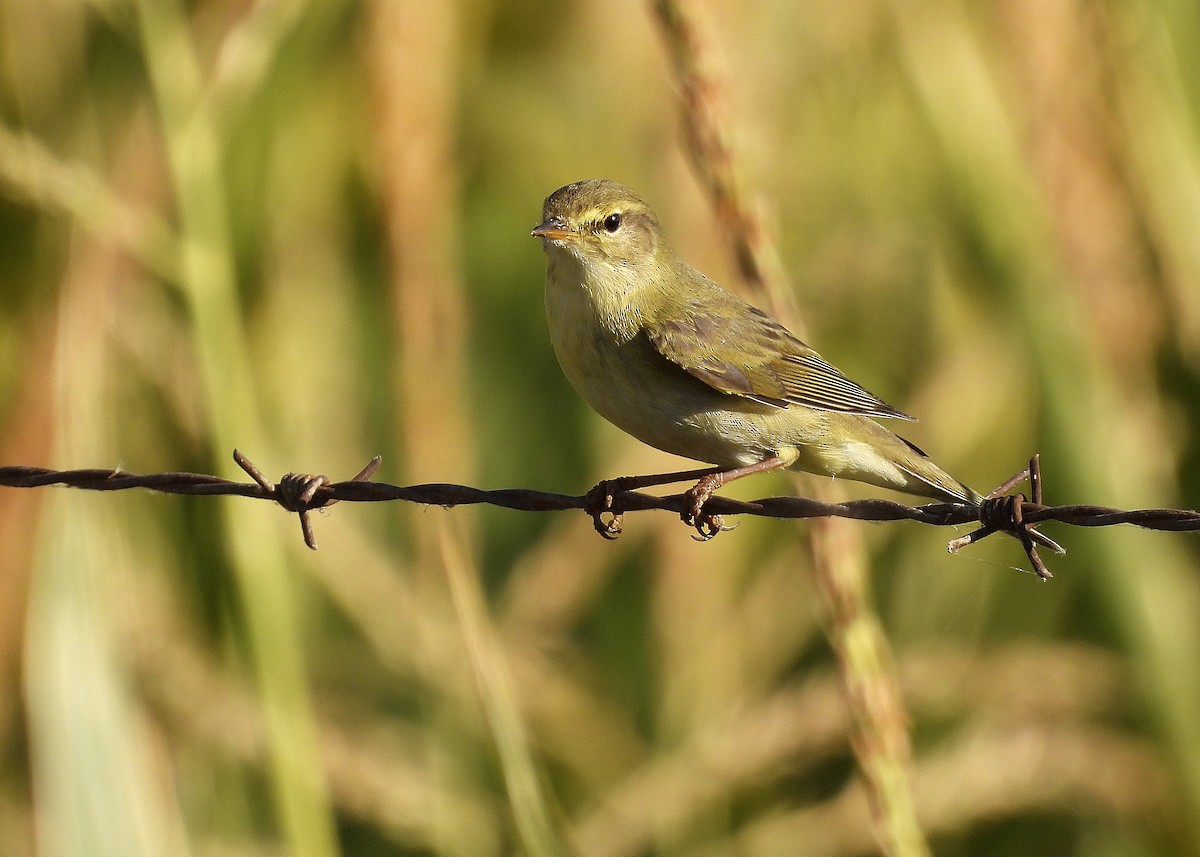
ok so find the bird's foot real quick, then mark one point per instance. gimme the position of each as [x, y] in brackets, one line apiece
[598, 503]
[706, 524]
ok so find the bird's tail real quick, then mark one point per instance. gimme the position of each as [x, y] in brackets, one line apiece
[929, 480]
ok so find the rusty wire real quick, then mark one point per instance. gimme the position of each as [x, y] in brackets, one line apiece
[1014, 514]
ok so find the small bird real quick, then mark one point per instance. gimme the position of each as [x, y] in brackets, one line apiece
[665, 354]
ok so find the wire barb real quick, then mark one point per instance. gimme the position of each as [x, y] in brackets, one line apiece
[296, 492]
[301, 493]
[1001, 512]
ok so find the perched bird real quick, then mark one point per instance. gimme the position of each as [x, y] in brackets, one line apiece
[665, 354]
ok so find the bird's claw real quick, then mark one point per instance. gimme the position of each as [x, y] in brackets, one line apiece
[707, 525]
[610, 528]
[598, 503]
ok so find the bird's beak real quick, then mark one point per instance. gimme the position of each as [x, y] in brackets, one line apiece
[554, 229]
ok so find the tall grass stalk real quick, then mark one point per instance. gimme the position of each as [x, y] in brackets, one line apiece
[210, 286]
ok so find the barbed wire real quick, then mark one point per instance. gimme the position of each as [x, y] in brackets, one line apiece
[301, 493]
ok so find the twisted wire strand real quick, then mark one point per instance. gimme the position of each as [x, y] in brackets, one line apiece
[301, 493]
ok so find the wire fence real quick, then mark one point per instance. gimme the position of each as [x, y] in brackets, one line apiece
[1014, 514]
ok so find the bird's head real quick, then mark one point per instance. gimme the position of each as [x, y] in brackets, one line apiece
[601, 223]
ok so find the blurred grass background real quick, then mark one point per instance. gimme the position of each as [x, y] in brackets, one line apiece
[301, 229]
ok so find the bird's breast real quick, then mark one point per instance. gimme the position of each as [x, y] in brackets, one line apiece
[616, 369]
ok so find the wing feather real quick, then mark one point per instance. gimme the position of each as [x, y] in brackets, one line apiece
[740, 350]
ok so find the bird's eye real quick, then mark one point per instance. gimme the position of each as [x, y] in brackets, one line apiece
[613, 222]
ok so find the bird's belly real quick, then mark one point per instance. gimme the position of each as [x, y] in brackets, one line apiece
[696, 424]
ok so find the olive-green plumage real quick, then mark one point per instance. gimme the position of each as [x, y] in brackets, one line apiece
[669, 356]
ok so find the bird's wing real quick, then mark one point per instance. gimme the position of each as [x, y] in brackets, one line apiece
[740, 350]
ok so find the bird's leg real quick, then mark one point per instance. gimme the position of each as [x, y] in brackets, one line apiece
[709, 525]
[598, 502]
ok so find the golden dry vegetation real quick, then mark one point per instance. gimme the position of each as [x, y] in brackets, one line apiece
[300, 229]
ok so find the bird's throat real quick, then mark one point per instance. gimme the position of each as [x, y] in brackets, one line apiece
[587, 292]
